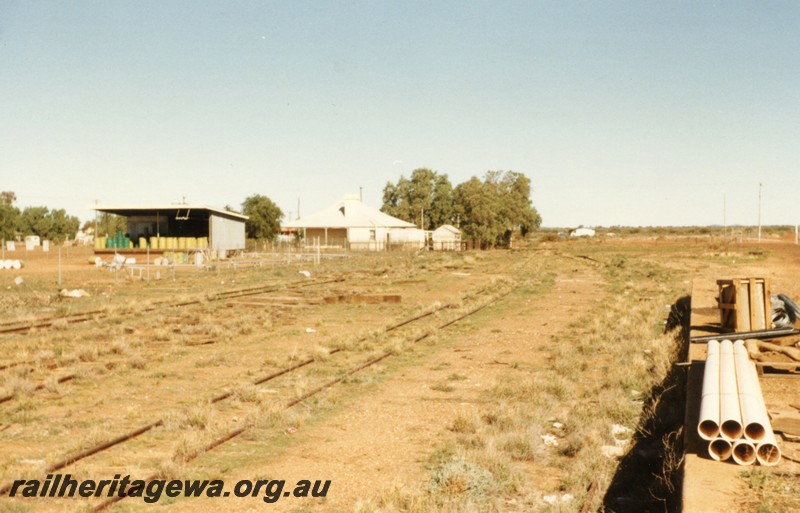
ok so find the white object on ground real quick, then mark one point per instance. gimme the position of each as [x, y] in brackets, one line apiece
[73, 293]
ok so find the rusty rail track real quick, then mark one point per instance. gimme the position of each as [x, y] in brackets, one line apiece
[11, 327]
[242, 429]
[73, 458]
[221, 397]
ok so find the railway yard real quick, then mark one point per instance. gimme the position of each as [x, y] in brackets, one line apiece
[479, 381]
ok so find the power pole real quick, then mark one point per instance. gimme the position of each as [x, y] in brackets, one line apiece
[759, 211]
[724, 214]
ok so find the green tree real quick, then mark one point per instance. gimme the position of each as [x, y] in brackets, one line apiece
[9, 215]
[62, 226]
[490, 211]
[478, 211]
[35, 221]
[109, 225]
[514, 191]
[426, 199]
[7, 198]
[53, 225]
[264, 217]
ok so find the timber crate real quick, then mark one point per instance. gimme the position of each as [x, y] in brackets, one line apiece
[744, 304]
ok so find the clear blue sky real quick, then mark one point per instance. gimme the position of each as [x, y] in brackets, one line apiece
[631, 113]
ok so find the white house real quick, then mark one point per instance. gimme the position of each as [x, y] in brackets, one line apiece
[350, 224]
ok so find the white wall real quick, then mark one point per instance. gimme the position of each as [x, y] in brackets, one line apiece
[226, 233]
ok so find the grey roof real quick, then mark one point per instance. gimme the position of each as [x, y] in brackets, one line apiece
[349, 212]
[130, 210]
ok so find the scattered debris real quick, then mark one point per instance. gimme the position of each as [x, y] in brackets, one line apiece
[307, 274]
[18, 281]
[619, 431]
[553, 499]
[754, 348]
[550, 440]
[785, 311]
[310, 330]
[612, 451]
[73, 293]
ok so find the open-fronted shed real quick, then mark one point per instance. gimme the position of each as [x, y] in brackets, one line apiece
[174, 227]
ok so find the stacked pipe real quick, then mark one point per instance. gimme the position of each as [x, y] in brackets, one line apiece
[733, 416]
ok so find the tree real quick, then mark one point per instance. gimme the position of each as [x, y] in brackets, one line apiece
[514, 191]
[478, 211]
[490, 211]
[9, 215]
[35, 221]
[7, 198]
[62, 226]
[426, 199]
[53, 225]
[264, 217]
[109, 225]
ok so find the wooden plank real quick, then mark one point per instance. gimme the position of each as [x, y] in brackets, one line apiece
[373, 299]
[792, 367]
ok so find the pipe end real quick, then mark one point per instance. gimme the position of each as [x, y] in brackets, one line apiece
[720, 449]
[744, 453]
[755, 432]
[708, 430]
[768, 454]
[731, 429]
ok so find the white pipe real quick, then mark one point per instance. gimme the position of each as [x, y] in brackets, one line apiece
[720, 449]
[767, 451]
[730, 415]
[744, 452]
[751, 401]
[708, 425]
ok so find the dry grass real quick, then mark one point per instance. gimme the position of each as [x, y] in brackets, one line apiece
[771, 491]
[557, 417]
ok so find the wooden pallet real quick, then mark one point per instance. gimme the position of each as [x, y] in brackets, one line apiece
[744, 304]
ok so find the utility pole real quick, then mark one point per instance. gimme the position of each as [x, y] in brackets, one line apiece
[298, 208]
[759, 211]
[360, 193]
[724, 213]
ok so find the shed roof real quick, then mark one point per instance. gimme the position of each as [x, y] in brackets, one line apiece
[447, 228]
[182, 208]
[349, 212]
